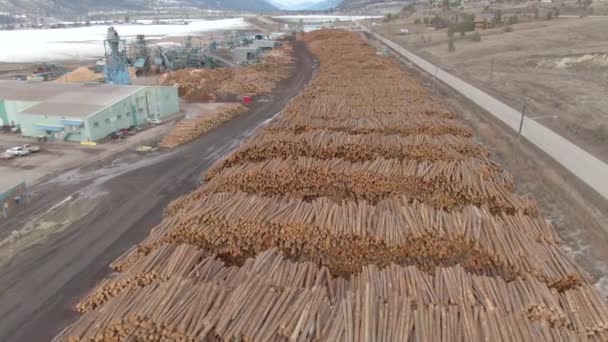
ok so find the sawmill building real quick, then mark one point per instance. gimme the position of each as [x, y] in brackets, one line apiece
[81, 111]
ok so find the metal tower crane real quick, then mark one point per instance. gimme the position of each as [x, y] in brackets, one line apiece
[116, 70]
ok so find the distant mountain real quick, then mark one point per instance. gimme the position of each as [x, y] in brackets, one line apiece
[324, 5]
[295, 5]
[241, 5]
[63, 8]
[349, 5]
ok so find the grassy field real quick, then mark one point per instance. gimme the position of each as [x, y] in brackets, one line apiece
[557, 67]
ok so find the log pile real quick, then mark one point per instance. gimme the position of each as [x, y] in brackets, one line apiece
[364, 212]
[206, 85]
[187, 130]
[445, 185]
[350, 236]
[271, 298]
[325, 144]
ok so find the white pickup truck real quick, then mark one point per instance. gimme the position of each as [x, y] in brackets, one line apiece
[18, 151]
[22, 150]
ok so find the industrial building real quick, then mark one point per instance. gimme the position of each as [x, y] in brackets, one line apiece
[265, 44]
[81, 111]
[246, 54]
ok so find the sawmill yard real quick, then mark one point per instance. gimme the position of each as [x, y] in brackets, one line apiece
[366, 210]
[557, 67]
[56, 157]
[199, 89]
[327, 193]
[105, 206]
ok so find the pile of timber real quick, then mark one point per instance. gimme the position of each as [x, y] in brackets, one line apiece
[364, 212]
[187, 130]
[206, 85]
[325, 144]
[345, 237]
[446, 185]
[270, 298]
[387, 125]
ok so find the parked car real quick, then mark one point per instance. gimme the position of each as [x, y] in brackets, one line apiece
[155, 121]
[135, 129]
[116, 135]
[18, 151]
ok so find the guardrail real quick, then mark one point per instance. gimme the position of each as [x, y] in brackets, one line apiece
[582, 164]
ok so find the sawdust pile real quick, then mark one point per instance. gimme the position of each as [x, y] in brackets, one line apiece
[84, 74]
[205, 85]
[79, 75]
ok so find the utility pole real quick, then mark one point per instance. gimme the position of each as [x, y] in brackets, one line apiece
[521, 122]
[491, 68]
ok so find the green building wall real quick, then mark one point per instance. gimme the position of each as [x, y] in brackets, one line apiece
[29, 123]
[13, 110]
[3, 116]
[134, 110]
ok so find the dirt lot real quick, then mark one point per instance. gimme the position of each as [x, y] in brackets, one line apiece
[557, 67]
[58, 156]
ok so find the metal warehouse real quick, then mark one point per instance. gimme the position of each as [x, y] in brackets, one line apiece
[81, 111]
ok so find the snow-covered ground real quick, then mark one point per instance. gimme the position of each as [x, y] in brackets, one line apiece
[87, 42]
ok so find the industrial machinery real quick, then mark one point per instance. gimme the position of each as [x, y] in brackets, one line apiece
[188, 55]
[140, 56]
[147, 56]
[116, 70]
[48, 72]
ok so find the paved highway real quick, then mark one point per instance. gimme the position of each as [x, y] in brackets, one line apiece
[582, 164]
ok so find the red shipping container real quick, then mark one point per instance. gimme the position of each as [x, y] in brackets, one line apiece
[247, 99]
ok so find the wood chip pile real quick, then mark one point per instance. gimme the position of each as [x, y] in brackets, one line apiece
[79, 75]
[206, 85]
[187, 130]
[363, 212]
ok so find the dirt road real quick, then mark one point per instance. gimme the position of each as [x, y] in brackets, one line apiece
[39, 287]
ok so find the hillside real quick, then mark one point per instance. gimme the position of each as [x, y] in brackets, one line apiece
[66, 8]
[323, 5]
[362, 5]
[293, 5]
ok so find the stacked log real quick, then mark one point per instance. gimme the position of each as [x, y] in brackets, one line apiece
[205, 85]
[187, 130]
[364, 212]
[351, 235]
[325, 144]
[272, 298]
[444, 185]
